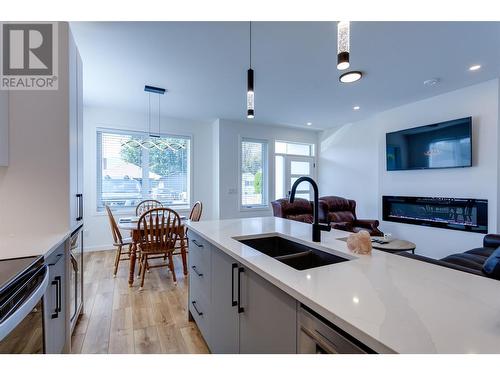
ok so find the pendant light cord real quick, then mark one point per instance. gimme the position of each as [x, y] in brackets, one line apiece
[149, 114]
[250, 44]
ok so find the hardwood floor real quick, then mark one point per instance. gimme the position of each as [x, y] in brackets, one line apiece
[119, 319]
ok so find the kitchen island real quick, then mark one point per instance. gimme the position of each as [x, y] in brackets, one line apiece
[389, 303]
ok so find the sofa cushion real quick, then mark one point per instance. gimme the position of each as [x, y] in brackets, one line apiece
[481, 251]
[341, 216]
[305, 218]
[465, 260]
[492, 265]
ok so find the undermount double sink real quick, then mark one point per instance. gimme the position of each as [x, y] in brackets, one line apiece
[293, 254]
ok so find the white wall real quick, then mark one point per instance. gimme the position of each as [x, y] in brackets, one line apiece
[230, 134]
[352, 164]
[97, 231]
[35, 184]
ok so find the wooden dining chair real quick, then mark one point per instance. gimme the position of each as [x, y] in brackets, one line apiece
[147, 205]
[118, 241]
[160, 232]
[183, 243]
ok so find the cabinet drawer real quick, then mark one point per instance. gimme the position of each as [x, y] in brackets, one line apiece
[199, 309]
[200, 286]
[199, 254]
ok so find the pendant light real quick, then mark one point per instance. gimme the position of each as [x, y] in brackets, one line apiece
[343, 36]
[154, 140]
[250, 86]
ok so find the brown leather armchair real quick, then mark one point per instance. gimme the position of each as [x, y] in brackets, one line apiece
[300, 210]
[341, 214]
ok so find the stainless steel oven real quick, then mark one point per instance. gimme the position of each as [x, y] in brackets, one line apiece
[316, 335]
[23, 283]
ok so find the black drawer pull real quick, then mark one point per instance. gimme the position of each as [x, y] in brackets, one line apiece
[240, 271]
[197, 311]
[197, 244]
[233, 301]
[57, 283]
[196, 271]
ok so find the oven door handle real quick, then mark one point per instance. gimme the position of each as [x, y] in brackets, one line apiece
[320, 340]
[22, 311]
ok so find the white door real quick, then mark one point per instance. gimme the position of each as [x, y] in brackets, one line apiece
[288, 170]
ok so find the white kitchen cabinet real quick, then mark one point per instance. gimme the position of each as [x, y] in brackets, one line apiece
[236, 310]
[75, 134]
[55, 303]
[4, 128]
[224, 322]
[199, 283]
[268, 317]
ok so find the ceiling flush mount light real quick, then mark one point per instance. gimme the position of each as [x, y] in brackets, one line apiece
[343, 35]
[475, 67]
[350, 76]
[431, 82]
[309, 123]
[250, 82]
[356, 107]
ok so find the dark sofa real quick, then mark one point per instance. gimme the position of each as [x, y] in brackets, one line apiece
[471, 261]
[341, 214]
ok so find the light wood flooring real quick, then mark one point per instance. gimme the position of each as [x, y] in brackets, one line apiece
[119, 319]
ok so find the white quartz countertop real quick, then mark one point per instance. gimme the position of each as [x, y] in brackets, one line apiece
[390, 303]
[17, 246]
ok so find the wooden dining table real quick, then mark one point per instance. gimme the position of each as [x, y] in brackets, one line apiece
[136, 233]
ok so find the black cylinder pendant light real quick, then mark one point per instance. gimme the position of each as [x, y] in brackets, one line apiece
[250, 82]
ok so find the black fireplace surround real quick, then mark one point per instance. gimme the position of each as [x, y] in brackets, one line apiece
[470, 215]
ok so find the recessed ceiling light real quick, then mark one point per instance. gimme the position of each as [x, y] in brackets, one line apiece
[350, 77]
[431, 82]
[356, 107]
[309, 123]
[475, 67]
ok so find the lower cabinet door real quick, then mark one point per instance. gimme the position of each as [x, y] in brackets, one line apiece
[268, 322]
[224, 319]
[55, 306]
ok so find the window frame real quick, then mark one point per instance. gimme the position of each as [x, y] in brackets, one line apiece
[312, 148]
[131, 210]
[265, 174]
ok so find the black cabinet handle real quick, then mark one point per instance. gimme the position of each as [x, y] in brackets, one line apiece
[80, 207]
[233, 301]
[196, 271]
[197, 244]
[240, 271]
[197, 311]
[59, 294]
[57, 283]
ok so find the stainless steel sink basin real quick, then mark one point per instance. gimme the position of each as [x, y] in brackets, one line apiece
[293, 254]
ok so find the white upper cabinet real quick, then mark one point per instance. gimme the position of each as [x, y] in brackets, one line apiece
[75, 134]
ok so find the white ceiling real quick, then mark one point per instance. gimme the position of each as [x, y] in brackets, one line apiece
[203, 66]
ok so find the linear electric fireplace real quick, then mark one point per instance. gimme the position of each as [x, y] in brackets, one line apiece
[470, 215]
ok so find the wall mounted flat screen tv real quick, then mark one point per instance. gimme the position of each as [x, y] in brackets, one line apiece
[442, 145]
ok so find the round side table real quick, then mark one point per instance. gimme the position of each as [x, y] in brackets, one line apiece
[394, 245]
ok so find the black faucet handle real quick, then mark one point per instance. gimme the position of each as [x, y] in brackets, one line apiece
[323, 227]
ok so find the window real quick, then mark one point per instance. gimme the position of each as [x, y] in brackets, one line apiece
[128, 173]
[292, 148]
[253, 173]
[293, 160]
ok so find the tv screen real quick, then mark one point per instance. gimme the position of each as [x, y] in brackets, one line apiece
[442, 145]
